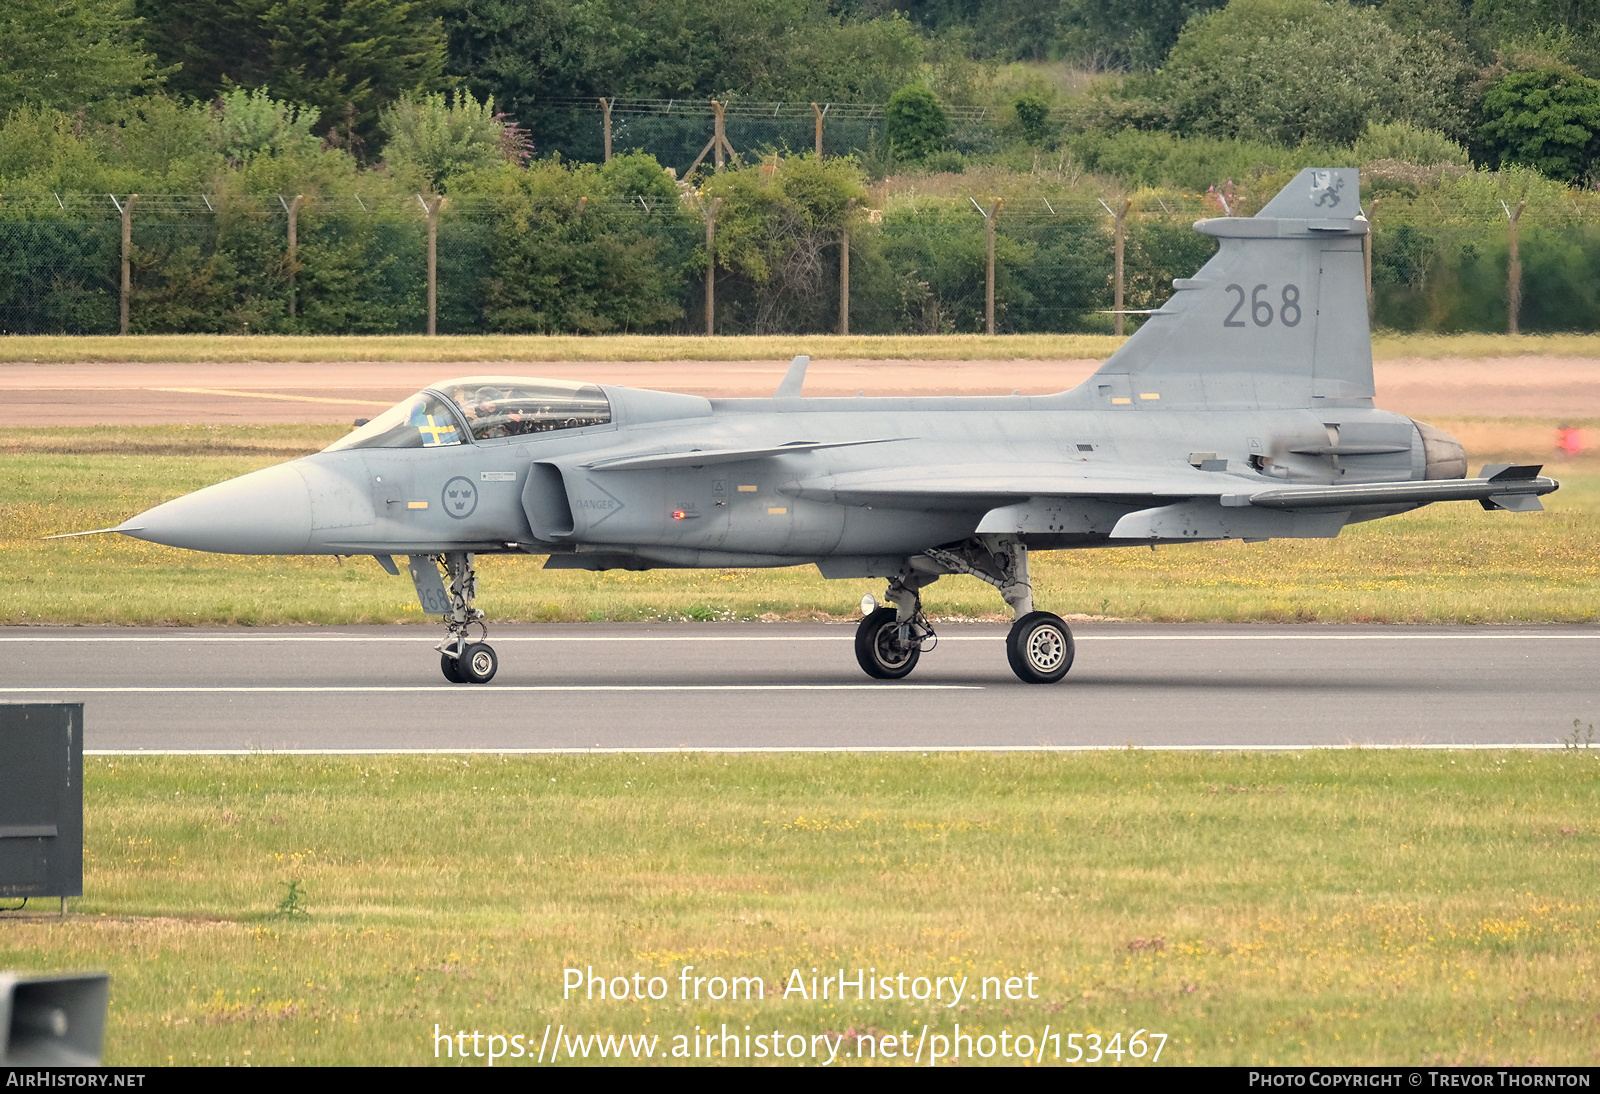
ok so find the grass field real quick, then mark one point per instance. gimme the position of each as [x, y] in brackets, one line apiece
[638, 347]
[1446, 563]
[1309, 907]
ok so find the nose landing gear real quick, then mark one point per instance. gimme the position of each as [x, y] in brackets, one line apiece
[461, 661]
[891, 639]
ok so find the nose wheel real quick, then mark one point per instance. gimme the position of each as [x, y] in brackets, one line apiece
[881, 650]
[890, 640]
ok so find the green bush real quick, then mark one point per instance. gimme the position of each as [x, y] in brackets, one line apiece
[778, 235]
[1292, 71]
[1140, 158]
[1450, 279]
[61, 275]
[1033, 118]
[245, 124]
[434, 138]
[915, 124]
[553, 264]
[1545, 118]
[1407, 143]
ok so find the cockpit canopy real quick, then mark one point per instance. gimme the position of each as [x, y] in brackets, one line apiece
[484, 408]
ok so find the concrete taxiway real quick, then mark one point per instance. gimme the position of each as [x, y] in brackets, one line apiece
[796, 686]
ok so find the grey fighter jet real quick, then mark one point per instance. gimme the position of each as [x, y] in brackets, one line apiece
[1242, 409]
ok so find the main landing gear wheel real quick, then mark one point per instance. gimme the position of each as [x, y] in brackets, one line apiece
[879, 649]
[477, 663]
[1039, 648]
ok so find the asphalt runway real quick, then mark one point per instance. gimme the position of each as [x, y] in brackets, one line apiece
[796, 686]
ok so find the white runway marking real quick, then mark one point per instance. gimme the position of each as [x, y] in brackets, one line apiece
[432, 639]
[490, 689]
[758, 749]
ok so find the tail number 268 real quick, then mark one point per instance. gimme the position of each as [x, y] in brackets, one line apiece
[1261, 311]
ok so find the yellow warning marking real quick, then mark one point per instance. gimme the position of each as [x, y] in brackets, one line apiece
[747, 490]
[416, 505]
[1148, 395]
[778, 510]
[1120, 401]
[268, 395]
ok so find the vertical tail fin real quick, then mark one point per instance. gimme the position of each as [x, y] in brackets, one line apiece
[1277, 317]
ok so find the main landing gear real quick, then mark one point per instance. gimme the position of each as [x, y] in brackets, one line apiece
[461, 661]
[890, 640]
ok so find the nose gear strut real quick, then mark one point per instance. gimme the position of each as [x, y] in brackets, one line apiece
[891, 639]
[461, 661]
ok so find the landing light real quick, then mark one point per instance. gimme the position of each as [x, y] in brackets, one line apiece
[869, 604]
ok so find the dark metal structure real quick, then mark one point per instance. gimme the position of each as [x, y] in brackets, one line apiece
[41, 799]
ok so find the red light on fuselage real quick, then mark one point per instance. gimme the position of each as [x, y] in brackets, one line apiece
[679, 514]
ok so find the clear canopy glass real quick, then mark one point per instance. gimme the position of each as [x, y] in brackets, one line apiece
[422, 421]
[492, 406]
[497, 406]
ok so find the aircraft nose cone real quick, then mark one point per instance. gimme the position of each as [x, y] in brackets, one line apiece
[266, 512]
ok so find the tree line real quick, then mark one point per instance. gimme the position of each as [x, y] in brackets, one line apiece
[219, 113]
[1505, 83]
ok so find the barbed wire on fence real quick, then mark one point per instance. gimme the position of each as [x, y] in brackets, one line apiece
[735, 107]
[1036, 209]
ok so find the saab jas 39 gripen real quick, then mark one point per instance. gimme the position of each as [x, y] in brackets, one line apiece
[1241, 409]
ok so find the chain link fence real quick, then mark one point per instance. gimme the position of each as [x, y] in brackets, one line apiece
[677, 131]
[199, 264]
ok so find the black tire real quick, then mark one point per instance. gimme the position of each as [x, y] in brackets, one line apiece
[874, 650]
[1040, 648]
[448, 666]
[478, 663]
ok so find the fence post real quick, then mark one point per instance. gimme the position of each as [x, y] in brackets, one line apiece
[711, 266]
[720, 133]
[844, 281]
[431, 207]
[1514, 270]
[126, 209]
[293, 209]
[1119, 247]
[718, 142]
[817, 110]
[988, 285]
[1366, 255]
[605, 125]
